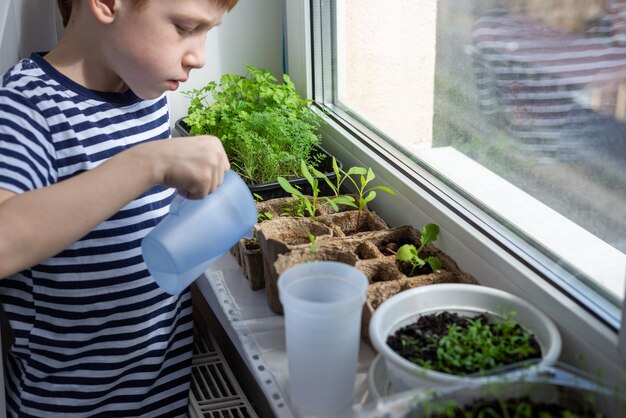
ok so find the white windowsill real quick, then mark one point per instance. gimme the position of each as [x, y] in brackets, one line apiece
[572, 243]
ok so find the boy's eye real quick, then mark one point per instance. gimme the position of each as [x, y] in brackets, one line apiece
[183, 29]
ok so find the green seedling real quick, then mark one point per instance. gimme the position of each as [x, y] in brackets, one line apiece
[511, 407]
[293, 207]
[340, 177]
[409, 253]
[312, 245]
[365, 195]
[262, 216]
[311, 205]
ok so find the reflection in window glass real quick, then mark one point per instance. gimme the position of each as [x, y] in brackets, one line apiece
[532, 92]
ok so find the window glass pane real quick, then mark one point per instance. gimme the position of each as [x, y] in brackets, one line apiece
[520, 104]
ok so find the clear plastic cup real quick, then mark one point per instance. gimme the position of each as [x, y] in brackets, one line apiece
[197, 232]
[322, 302]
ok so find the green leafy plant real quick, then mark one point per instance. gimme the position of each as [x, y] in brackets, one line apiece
[312, 204]
[266, 127]
[477, 346]
[409, 253]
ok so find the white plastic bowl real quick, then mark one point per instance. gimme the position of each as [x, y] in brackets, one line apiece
[406, 307]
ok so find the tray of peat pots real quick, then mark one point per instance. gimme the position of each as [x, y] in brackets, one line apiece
[248, 252]
[283, 235]
[316, 217]
[440, 335]
[558, 391]
[373, 253]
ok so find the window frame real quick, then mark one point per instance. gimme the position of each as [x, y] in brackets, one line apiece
[587, 342]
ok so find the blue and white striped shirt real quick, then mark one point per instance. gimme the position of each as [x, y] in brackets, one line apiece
[94, 334]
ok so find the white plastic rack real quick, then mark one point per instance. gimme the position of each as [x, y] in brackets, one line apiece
[214, 391]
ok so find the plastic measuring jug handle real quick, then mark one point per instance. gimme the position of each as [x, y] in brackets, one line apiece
[177, 203]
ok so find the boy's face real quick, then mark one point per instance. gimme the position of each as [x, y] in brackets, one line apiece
[153, 48]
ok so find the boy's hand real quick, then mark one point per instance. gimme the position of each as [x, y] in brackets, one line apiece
[194, 164]
[38, 224]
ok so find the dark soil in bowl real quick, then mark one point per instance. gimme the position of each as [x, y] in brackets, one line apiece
[425, 342]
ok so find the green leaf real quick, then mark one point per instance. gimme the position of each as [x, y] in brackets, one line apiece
[434, 263]
[419, 261]
[406, 252]
[370, 196]
[384, 189]
[356, 170]
[305, 172]
[332, 203]
[308, 206]
[429, 234]
[345, 200]
[316, 172]
[363, 182]
[336, 168]
[370, 175]
[288, 187]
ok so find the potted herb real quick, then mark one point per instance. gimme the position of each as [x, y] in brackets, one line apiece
[463, 345]
[266, 127]
[407, 307]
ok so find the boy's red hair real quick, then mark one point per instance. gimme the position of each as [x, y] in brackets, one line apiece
[65, 7]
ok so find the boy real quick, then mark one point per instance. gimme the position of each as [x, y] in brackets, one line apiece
[85, 173]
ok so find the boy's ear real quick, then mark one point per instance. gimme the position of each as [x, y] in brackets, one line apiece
[103, 10]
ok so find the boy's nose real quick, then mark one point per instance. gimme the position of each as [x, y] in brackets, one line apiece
[194, 58]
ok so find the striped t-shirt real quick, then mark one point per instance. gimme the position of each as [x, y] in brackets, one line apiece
[94, 334]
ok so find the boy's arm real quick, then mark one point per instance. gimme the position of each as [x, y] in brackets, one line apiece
[38, 224]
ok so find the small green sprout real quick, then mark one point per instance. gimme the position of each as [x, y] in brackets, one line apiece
[365, 195]
[265, 216]
[312, 246]
[262, 216]
[409, 253]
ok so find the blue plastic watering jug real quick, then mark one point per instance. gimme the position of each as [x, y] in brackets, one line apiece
[197, 232]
